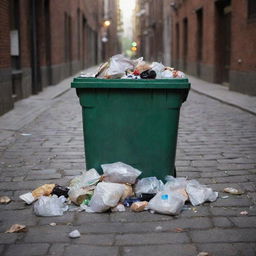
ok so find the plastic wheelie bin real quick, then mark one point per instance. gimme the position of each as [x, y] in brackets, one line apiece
[131, 121]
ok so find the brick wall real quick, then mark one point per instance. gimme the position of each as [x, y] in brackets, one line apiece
[6, 101]
[67, 38]
[5, 60]
[241, 74]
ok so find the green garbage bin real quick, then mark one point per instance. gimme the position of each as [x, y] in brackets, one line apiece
[131, 121]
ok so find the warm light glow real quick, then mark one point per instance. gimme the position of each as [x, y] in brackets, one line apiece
[134, 48]
[106, 23]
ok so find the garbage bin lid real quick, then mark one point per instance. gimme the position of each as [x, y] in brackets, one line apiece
[177, 83]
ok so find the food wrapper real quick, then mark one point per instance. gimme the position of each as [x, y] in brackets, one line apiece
[139, 206]
[44, 190]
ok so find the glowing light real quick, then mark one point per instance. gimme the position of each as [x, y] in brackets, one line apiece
[106, 23]
[134, 44]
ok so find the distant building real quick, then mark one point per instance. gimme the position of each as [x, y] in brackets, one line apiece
[44, 41]
[149, 27]
[216, 41]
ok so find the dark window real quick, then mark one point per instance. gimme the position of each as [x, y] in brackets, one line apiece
[177, 44]
[78, 34]
[251, 9]
[185, 43]
[199, 40]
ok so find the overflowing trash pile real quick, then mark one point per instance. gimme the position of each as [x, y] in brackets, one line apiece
[121, 67]
[118, 188]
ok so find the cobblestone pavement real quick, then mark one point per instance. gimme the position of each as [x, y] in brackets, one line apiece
[216, 145]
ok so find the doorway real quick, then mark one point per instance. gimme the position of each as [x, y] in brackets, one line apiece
[223, 41]
[199, 52]
[185, 43]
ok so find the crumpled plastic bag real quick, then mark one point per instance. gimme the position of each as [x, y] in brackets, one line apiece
[106, 195]
[118, 64]
[158, 68]
[167, 202]
[120, 173]
[50, 206]
[199, 194]
[88, 178]
[81, 186]
[177, 185]
[166, 74]
[148, 185]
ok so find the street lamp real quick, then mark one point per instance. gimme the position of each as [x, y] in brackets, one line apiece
[106, 23]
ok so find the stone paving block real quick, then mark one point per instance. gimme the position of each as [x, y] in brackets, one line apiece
[244, 221]
[156, 238]
[13, 205]
[27, 249]
[238, 160]
[29, 185]
[237, 172]
[20, 178]
[57, 249]
[138, 217]
[208, 163]
[103, 228]
[106, 239]
[196, 211]
[213, 174]
[24, 217]
[72, 172]
[68, 217]
[228, 249]
[84, 218]
[232, 201]
[248, 186]
[231, 211]
[252, 196]
[191, 175]
[8, 238]
[88, 250]
[220, 235]
[231, 167]
[2, 247]
[222, 222]
[43, 177]
[48, 234]
[160, 250]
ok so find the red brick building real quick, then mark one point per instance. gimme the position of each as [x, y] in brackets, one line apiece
[216, 41]
[44, 41]
[149, 29]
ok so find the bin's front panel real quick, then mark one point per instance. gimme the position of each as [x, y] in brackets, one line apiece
[137, 127]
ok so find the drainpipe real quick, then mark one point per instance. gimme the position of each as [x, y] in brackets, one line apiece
[33, 34]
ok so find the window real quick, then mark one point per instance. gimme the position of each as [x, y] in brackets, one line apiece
[251, 9]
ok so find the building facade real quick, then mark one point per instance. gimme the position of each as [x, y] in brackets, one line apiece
[216, 41]
[44, 41]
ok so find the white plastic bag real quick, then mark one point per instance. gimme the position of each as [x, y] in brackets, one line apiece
[118, 65]
[148, 185]
[166, 202]
[120, 173]
[166, 74]
[106, 195]
[81, 185]
[199, 194]
[50, 206]
[158, 68]
[177, 185]
[88, 178]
